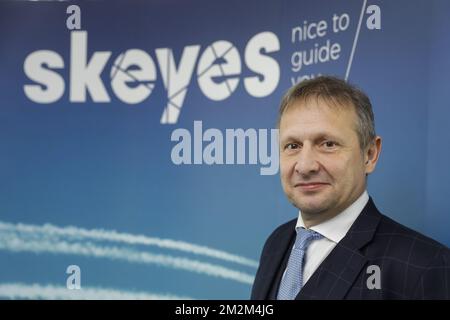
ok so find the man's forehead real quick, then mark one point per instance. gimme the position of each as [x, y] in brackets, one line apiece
[334, 104]
[310, 112]
[299, 132]
[297, 120]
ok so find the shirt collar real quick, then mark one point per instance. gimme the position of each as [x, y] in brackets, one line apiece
[337, 227]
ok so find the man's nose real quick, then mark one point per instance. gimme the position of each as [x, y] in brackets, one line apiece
[307, 162]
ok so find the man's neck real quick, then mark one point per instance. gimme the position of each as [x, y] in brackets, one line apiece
[316, 218]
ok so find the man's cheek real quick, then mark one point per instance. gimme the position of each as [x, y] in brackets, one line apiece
[284, 172]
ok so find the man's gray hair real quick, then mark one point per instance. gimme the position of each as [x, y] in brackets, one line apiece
[337, 92]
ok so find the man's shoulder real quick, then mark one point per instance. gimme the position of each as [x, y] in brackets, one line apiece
[398, 240]
[282, 229]
[413, 265]
[281, 232]
[390, 227]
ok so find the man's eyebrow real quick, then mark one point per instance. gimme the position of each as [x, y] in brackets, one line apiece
[315, 136]
[289, 137]
[324, 136]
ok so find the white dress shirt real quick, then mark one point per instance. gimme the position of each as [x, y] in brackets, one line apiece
[333, 231]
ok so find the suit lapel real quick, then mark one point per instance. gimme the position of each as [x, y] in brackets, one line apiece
[275, 262]
[273, 293]
[337, 273]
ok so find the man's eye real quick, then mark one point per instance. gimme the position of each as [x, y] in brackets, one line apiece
[291, 146]
[329, 144]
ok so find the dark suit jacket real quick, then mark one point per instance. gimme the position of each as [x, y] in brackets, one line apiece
[412, 266]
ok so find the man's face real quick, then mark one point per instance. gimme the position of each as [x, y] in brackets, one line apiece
[322, 166]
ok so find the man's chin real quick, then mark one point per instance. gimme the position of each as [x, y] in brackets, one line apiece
[312, 207]
[314, 202]
[312, 210]
[304, 207]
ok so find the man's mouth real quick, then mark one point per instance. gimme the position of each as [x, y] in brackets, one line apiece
[311, 186]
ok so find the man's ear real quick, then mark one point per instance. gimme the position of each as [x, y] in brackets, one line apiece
[371, 155]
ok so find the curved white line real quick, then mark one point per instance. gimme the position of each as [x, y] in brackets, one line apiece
[113, 236]
[52, 292]
[14, 242]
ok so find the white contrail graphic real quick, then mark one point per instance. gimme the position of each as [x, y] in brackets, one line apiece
[15, 242]
[52, 292]
[49, 230]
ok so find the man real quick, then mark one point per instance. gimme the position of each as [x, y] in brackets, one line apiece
[341, 246]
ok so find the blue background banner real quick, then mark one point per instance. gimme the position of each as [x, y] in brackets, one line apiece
[88, 175]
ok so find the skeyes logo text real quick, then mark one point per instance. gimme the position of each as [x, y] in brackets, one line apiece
[133, 77]
[133, 72]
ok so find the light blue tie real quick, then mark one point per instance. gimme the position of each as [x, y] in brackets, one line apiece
[292, 281]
